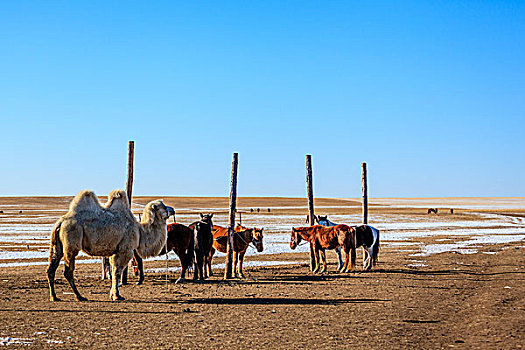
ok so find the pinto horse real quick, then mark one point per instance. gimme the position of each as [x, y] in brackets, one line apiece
[242, 238]
[368, 238]
[322, 238]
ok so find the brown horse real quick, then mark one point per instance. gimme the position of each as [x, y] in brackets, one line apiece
[327, 237]
[180, 240]
[241, 240]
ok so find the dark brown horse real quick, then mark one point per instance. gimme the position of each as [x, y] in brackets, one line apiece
[322, 238]
[242, 238]
[432, 210]
[202, 244]
[180, 240]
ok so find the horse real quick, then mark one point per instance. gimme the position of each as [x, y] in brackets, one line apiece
[202, 244]
[368, 238]
[432, 210]
[323, 220]
[180, 241]
[242, 238]
[324, 237]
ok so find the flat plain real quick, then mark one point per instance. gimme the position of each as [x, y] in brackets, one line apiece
[443, 281]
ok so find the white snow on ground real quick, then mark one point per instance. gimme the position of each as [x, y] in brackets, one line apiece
[398, 231]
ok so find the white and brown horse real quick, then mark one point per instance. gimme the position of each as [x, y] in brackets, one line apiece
[368, 238]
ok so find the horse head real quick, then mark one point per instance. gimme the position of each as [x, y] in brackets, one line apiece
[207, 218]
[257, 238]
[295, 239]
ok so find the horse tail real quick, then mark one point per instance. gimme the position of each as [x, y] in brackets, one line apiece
[375, 248]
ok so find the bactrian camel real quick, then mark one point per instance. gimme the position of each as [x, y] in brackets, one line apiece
[110, 231]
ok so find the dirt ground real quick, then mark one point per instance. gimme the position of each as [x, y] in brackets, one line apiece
[462, 301]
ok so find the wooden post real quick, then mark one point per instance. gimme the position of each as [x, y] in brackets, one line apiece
[310, 192]
[231, 224]
[365, 193]
[129, 191]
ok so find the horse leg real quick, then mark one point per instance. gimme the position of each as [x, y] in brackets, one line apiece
[241, 260]
[69, 269]
[140, 266]
[313, 266]
[344, 268]
[235, 261]
[316, 256]
[210, 258]
[200, 267]
[339, 256]
[323, 258]
[55, 255]
[368, 265]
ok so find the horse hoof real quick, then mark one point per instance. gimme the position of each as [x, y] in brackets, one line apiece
[118, 298]
[180, 280]
[139, 283]
[55, 299]
[81, 298]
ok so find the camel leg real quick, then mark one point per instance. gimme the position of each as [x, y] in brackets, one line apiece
[339, 256]
[69, 269]
[55, 255]
[140, 266]
[241, 260]
[118, 262]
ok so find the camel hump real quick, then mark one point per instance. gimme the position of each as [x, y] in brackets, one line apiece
[84, 200]
[117, 200]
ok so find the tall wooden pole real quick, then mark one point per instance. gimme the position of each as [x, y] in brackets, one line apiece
[365, 193]
[129, 191]
[310, 192]
[231, 224]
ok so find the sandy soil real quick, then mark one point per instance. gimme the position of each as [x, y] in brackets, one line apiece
[464, 301]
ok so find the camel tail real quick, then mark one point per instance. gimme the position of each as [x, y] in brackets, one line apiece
[54, 234]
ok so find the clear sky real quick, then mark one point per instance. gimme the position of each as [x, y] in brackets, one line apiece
[431, 94]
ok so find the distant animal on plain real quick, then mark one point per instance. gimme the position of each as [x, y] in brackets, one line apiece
[242, 238]
[105, 231]
[202, 243]
[432, 210]
[324, 237]
[451, 211]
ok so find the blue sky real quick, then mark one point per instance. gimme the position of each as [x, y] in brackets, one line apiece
[429, 94]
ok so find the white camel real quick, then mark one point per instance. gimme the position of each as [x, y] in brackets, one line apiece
[109, 231]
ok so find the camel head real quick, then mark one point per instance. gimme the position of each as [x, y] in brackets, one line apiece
[157, 210]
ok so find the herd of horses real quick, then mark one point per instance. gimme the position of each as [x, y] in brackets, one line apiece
[196, 244]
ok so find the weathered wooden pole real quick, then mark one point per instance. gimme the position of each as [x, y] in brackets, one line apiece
[129, 192]
[365, 193]
[231, 224]
[310, 192]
